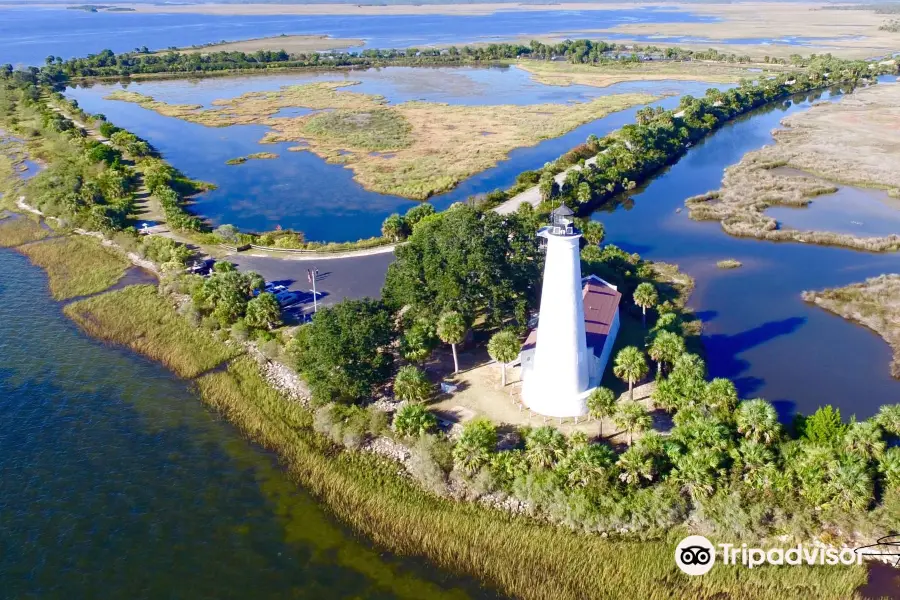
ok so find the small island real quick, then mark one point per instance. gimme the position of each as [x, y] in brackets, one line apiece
[729, 263]
[255, 156]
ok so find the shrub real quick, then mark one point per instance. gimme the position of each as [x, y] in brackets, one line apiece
[414, 420]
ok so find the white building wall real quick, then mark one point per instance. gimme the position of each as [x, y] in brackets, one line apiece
[560, 377]
[607, 348]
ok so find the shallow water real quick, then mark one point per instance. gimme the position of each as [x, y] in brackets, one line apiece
[27, 36]
[301, 191]
[117, 483]
[851, 210]
[757, 330]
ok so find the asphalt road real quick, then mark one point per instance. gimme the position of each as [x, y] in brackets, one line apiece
[339, 278]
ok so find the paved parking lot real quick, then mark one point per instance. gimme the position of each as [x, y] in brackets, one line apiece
[339, 278]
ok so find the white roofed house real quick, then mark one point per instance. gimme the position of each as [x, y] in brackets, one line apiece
[564, 357]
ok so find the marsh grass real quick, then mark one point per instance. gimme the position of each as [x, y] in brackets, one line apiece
[262, 156]
[606, 74]
[380, 129]
[729, 263]
[21, 230]
[848, 142]
[412, 149]
[236, 161]
[139, 318]
[519, 557]
[76, 265]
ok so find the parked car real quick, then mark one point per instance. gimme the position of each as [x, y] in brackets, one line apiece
[286, 298]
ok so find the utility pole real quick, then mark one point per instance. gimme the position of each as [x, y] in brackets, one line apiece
[311, 276]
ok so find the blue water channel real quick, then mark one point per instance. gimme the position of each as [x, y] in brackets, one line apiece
[301, 191]
[756, 328]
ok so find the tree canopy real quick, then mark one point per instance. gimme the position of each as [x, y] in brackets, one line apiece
[343, 353]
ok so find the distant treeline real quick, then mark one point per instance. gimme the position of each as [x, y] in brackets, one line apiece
[143, 61]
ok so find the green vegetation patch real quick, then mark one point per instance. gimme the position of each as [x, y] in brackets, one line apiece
[367, 492]
[15, 232]
[729, 263]
[236, 161]
[76, 265]
[139, 318]
[378, 129]
[262, 156]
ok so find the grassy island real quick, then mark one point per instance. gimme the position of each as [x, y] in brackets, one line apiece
[874, 303]
[729, 263]
[855, 141]
[609, 73]
[413, 149]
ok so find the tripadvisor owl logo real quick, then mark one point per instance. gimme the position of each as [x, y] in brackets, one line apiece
[695, 555]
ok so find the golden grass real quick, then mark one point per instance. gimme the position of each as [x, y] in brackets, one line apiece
[424, 148]
[255, 156]
[874, 303]
[520, 557]
[76, 265]
[855, 141]
[139, 318]
[729, 263]
[603, 75]
[21, 230]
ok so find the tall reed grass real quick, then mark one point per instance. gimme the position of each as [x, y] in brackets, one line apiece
[20, 230]
[139, 318]
[76, 265]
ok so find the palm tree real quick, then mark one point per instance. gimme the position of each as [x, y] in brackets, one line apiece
[587, 464]
[632, 417]
[666, 347]
[411, 384]
[756, 463]
[601, 404]
[635, 466]
[504, 348]
[451, 328]
[850, 484]
[757, 420]
[630, 366]
[475, 446]
[889, 467]
[864, 438]
[697, 472]
[646, 297]
[593, 232]
[721, 396]
[414, 420]
[889, 418]
[545, 446]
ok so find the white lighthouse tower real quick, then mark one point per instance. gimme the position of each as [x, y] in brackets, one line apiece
[557, 381]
